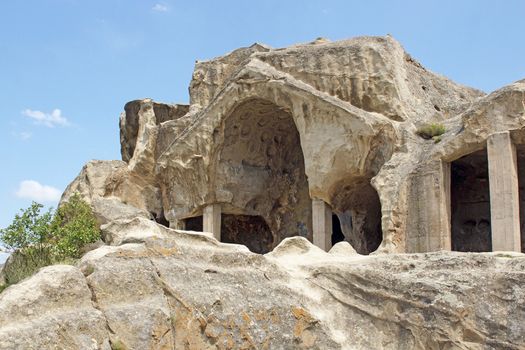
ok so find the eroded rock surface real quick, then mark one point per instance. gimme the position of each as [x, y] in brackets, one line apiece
[178, 290]
[267, 130]
[51, 310]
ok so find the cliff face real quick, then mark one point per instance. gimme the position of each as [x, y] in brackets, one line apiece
[166, 289]
[269, 129]
[267, 132]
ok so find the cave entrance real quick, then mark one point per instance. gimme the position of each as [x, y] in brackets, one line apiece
[359, 215]
[160, 218]
[193, 224]
[337, 230]
[249, 230]
[260, 170]
[470, 203]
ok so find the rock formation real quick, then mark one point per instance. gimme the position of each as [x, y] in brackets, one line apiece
[166, 289]
[269, 130]
[318, 142]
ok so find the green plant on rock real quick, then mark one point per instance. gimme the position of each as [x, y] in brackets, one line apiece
[74, 225]
[28, 239]
[118, 345]
[28, 229]
[432, 131]
[38, 239]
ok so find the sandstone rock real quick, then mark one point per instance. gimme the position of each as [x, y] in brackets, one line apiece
[342, 248]
[51, 310]
[111, 209]
[268, 130]
[132, 230]
[97, 184]
[182, 290]
[132, 123]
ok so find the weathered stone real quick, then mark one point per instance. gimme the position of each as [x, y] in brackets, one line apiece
[267, 132]
[181, 290]
[130, 230]
[51, 310]
[504, 193]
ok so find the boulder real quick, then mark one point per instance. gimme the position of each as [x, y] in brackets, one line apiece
[186, 290]
[53, 309]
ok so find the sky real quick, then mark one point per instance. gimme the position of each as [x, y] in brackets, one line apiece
[67, 67]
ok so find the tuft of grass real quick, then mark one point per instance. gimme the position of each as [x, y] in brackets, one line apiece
[431, 131]
[89, 270]
[118, 345]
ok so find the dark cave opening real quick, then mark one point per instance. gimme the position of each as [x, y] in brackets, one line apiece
[261, 166]
[359, 214]
[193, 224]
[337, 231]
[470, 203]
[249, 230]
[160, 219]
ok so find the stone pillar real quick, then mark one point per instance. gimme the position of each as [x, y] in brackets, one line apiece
[211, 217]
[428, 220]
[445, 237]
[504, 193]
[322, 224]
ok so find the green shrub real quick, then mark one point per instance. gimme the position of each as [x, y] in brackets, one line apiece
[73, 226]
[431, 131]
[37, 240]
[28, 229]
[28, 239]
[25, 262]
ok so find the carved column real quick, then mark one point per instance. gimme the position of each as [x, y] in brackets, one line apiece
[504, 193]
[211, 217]
[445, 237]
[322, 224]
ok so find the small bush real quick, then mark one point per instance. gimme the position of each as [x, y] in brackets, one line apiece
[118, 345]
[73, 226]
[431, 131]
[25, 262]
[37, 240]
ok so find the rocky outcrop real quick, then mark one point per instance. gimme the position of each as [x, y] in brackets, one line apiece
[266, 132]
[52, 310]
[175, 290]
[269, 129]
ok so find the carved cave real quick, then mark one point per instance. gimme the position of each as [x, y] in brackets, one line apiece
[252, 231]
[337, 231]
[470, 203]
[260, 170]
[358, 211]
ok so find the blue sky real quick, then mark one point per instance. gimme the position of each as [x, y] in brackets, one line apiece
[67, 67]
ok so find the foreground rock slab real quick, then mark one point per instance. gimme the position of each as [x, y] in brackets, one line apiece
[52, 310]
[181, 290]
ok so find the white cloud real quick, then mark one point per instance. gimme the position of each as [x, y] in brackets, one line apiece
[33, 190]
[48, 119]
[160, 8]
[23, 135]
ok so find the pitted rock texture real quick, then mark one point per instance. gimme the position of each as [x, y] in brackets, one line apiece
[177, 290]
[269, 129]
[260, 169]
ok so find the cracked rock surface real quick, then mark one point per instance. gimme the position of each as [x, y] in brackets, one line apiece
[179, 290]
